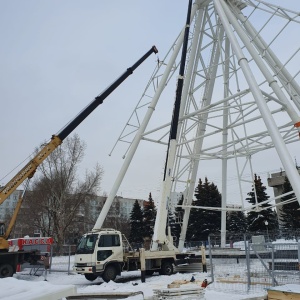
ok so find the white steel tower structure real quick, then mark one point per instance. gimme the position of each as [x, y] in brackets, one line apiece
[239, 97]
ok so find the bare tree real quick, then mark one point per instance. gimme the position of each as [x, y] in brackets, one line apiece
[57, 192]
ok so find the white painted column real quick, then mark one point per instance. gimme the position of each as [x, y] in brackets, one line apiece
[206, 101]
[224, 141]
[283, 74]
[279, 144]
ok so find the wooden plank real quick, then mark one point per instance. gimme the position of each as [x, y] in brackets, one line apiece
[242, 281]
[177, 293]
[190, 268]
[282, 295]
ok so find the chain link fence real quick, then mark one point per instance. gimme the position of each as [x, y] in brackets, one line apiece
[53, 261]
[64, 262]
[246, 263]
[254, 262]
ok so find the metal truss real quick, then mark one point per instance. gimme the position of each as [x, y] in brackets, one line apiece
[239, 97]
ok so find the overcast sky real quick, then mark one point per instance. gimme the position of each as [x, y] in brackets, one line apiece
[56, 56]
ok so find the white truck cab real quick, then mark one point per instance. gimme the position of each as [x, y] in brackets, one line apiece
[100, 254]
[107, 253]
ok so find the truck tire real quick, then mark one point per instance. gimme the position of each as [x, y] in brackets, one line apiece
[6, 270]
[90, 277]
[110, 273]
[166, 268]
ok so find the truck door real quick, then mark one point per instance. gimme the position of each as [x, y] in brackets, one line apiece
[85, 250]
[109, 248]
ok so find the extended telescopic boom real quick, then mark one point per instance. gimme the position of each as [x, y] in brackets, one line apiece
[56, 140]
[159, 232]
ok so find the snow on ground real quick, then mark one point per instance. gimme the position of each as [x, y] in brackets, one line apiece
[12, 289]
[27, 287]
[24, 286]
[32, 285]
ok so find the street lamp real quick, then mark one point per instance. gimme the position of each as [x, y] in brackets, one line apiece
[266, 223]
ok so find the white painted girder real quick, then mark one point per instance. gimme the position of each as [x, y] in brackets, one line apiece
[253, 114]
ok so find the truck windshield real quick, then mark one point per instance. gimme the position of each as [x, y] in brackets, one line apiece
[87, 244]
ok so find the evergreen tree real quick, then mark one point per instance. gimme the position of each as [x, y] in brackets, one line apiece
[149, 214]
[236, 222]
[171, 223]
[256, 220]
[136, 224]
[203, 222]
[290, 213]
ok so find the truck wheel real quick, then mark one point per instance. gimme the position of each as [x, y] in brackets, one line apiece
[6, 270]
[90, 277]
[166, 268]
[110, 273]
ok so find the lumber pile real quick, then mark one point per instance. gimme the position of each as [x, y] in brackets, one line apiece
[181, 289]
[284, 292]
[190, 292]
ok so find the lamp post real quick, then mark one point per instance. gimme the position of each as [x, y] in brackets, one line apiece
[266, 223]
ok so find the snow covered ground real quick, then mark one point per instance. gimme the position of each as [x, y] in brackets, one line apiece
[230, 282]
[25, 286]
[28, 283]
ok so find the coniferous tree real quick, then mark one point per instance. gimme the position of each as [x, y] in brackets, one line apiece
[170, 222]
[236, 222]
[290, 213]
[136, 224]
[149, 214]
[203, 222]
[265, 219]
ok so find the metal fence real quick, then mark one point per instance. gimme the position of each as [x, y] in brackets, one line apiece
[246, 264]
[52, 262]
[62, 263]
[249, 263]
